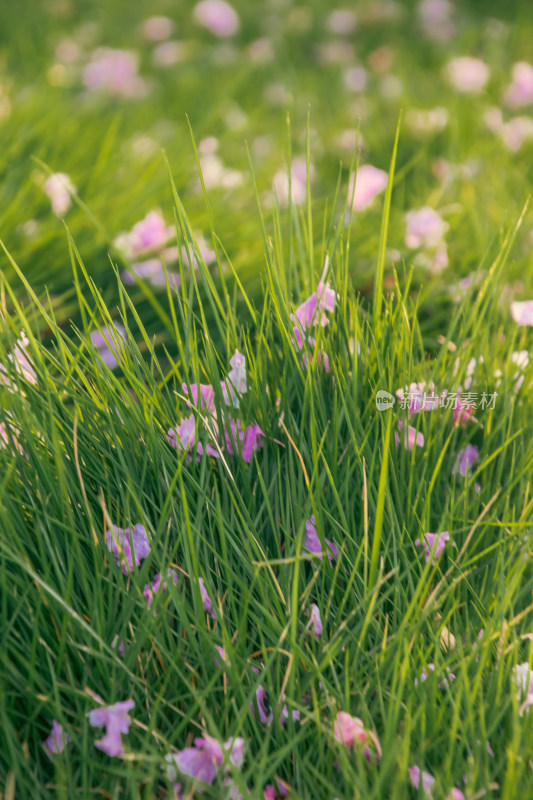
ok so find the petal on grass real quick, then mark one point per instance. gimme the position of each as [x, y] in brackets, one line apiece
[57, 741]
[128, 545]
[116, 721]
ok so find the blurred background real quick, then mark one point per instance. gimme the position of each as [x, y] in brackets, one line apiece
[100, 90]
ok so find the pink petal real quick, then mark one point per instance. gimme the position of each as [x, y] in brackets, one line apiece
[369, 182]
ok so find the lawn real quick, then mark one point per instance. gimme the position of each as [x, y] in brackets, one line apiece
[265, 430]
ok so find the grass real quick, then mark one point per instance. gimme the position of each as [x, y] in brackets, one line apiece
[91, 443]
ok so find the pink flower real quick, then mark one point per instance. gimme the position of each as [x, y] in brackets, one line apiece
[57, 740]
[235, 384]
[183, 436]
[350, 731]
[369, 182]
[215, 174]
[427, 780]
[114, 72]
[153, 272]
[203, 759]
[9, 434]
[425, 228]
[232, 387]
[462, 413]
[433, 544]
[479, 637]
[107, 342]
[148, 235]
[183, 439]
[449, 678]
[311, 311]
[462, 409]
[424, 674]
[21, 362]
[455, 794]
[251, 439]
[121, 541]
[206, 600]
[467, 74]
[443, 684]
[439, 259]
[436, 19]
[418, 397]
[516, 132]
[523, 680]
[312, 542]
[116, 721]
[271, 793]
[157, 29]
[59, 189]
[458, 290]
[315, 622]
[465, 459]
[217, 16]
[234, 435]
[207, 255]
[223, 655]
[298, 183]
[156, 587]
[410, 437]
[470, 371]
[285, 714]
[203, 396]
[520, 92]
[522, 313]
[267, 717]
[320, 358]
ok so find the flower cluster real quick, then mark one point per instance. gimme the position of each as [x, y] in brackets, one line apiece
[114, 72]
[148, 246]
[310, 314]
[207, 759]
[238, 440]
[204, 759]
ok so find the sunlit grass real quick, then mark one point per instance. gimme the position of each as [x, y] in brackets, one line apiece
[95, 452]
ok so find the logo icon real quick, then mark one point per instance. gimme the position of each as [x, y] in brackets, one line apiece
[384, 400]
